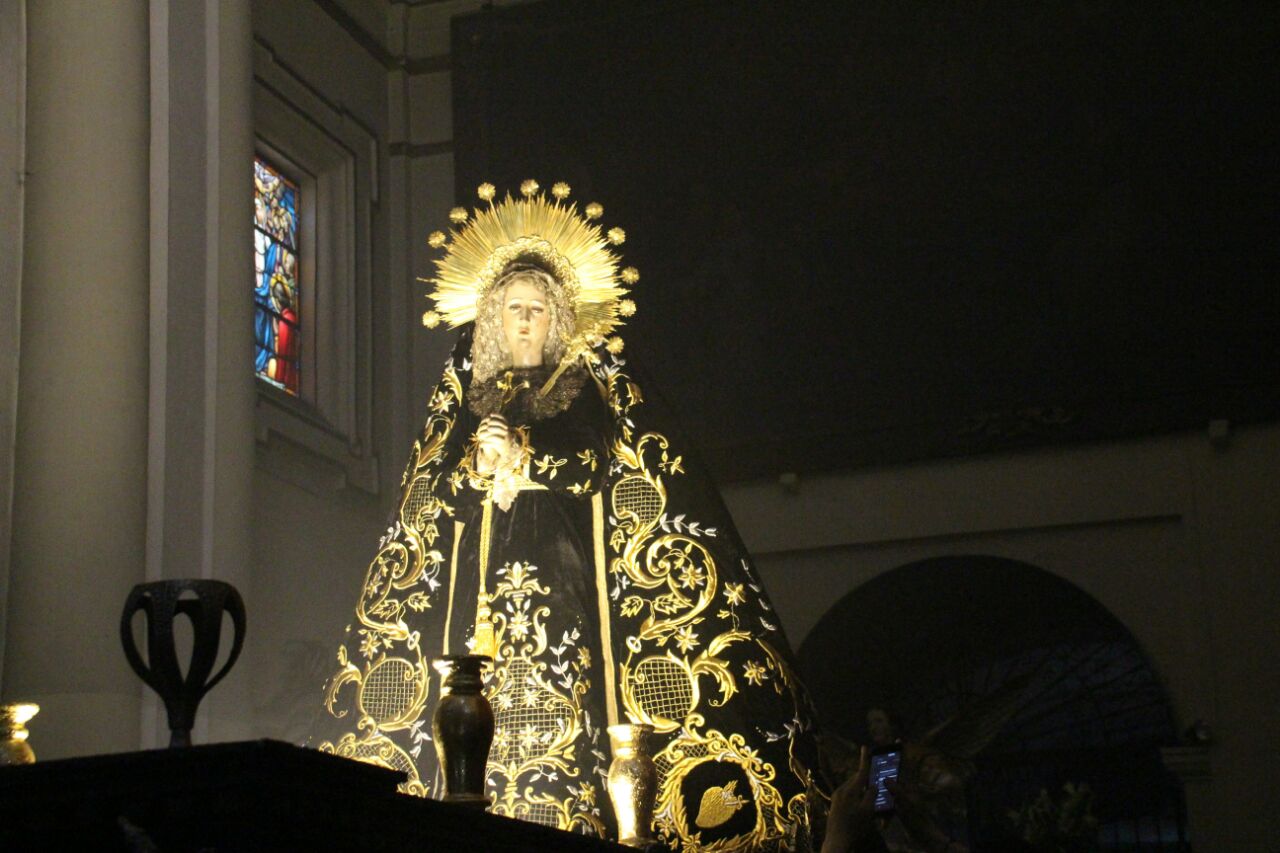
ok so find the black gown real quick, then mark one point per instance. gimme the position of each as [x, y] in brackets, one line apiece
[619, 592]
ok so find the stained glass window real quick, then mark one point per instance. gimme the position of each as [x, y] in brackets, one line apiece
[276, 302]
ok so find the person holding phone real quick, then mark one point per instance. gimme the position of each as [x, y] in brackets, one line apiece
[873, 799]
[851, 822]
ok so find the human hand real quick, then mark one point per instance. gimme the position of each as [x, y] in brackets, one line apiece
[852, 817]
[493, 439]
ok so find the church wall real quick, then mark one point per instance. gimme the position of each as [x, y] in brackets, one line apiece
[315, 523]
[428, 169]
[313, 535]
[320, 51]
[310, 551]
[1175, 535]
[431, 185]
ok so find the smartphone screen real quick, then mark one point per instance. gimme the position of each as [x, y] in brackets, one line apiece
[884, 766]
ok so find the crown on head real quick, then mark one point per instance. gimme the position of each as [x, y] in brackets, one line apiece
[572, 247]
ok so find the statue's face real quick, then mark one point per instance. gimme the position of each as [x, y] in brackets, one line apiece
[525, 321]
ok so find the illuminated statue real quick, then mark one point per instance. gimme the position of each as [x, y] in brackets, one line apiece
[547, 520]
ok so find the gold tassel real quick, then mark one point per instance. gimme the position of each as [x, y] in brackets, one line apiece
[484, 639]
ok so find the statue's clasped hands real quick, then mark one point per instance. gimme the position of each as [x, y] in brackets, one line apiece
[493, 443]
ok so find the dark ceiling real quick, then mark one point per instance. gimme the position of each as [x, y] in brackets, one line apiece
[877, 232]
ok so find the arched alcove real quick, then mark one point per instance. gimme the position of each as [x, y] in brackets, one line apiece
[949, 638]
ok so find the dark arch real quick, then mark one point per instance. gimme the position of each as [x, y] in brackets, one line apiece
[930, 639]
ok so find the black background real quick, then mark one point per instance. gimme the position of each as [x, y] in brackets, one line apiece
[877, 232]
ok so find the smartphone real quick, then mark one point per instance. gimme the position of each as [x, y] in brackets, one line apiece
[885, 764]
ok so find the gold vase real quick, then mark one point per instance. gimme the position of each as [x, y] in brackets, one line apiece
[633, 783]
[13, 732]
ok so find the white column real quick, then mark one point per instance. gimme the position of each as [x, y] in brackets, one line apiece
[80, 455]
[201, 334]
[13, 138]
[231, 383]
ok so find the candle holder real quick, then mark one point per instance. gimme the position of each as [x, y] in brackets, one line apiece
[162, 601]
[14, 748]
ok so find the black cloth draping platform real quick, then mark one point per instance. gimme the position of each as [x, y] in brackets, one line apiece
[250, 796]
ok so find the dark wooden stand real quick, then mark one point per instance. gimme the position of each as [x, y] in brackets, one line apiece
[252, 796]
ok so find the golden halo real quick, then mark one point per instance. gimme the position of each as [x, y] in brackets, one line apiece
[574, 250]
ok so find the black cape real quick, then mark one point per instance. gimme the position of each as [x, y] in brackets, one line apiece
[619, 592]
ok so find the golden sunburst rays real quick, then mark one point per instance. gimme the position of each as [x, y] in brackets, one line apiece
[576, 250]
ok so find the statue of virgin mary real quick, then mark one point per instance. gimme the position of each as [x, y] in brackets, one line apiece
[547, 519]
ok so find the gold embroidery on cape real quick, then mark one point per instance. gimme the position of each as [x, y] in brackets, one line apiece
[718, 805]
[668, 577]
[549, 465]
[668, 587]
[684, 753]
[390, 685]
[379, 750]
[674, 579]
[537, 706]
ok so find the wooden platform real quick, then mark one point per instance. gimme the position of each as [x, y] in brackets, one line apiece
[251, 796]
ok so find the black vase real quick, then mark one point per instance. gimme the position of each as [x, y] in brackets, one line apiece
[162, 601]
[463, 729]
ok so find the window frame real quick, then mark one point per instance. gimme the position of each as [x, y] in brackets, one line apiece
[326, 430]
